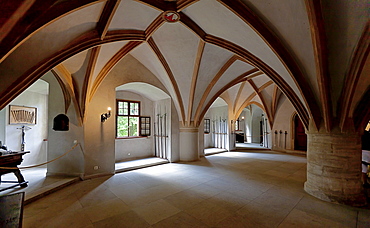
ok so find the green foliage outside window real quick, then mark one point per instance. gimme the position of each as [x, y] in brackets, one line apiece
[128, 118]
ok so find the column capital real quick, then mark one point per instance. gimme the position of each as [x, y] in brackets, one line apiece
[348, 127]
[189, 129]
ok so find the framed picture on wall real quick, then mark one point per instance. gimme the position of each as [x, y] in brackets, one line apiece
[22, 114]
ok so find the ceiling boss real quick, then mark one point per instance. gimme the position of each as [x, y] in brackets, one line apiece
[171, 16]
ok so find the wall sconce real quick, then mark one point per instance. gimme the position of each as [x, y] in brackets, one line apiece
[105, 116]
[242, 117]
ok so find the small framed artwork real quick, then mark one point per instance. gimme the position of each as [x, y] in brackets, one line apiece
[207, 126]
[22, 115]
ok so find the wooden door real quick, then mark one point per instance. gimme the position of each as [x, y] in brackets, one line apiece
[300, 137]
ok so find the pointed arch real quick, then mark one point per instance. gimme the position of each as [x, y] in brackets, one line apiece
[287, 58]
[359, 60]
[241, 78]
[111, 63]
[64, 77]
[260, 96]
[221, 71]
[240, 90]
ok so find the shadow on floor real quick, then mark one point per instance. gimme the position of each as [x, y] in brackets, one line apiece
[40, 185]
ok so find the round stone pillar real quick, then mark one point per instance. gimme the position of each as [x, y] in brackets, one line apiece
[189, 144]
[334, 168]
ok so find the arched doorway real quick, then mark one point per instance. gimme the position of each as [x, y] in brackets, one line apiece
[216, 135]
[300, 137]
[252, 127]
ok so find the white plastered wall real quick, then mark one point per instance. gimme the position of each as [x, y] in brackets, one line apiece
[283, 123]
[161, 116]
[215, 115]
[60, 142]
[255, 124]
[35, 137]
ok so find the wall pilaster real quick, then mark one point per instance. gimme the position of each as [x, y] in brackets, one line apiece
[189, 143]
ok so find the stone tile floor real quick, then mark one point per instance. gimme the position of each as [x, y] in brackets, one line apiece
[230, 189]
[138, 163]
[39, 184]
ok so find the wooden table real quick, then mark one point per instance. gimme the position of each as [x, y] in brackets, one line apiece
[12, 160]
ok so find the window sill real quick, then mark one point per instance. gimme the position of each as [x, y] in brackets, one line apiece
[132, 137]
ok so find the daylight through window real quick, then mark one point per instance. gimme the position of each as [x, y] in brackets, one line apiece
[128, 113]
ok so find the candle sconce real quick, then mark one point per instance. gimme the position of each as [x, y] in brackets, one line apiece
[106, 115]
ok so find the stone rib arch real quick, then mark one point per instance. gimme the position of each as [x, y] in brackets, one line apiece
[93, 38]
[239, 79]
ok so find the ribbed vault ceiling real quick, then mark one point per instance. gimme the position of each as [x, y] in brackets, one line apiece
[252, 50]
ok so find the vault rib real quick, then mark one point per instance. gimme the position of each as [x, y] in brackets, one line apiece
[237, 80]
[111, 63]
[286, 58]
[85, 98]
[358, 62]
[212, 84]
[106, 17]
[194, 80]
[167, 68]
[240, 90]
[260, 96]
[271, 73]
[319, 43]
[65, 77]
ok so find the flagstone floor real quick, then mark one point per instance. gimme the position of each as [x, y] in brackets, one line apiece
[231, 189]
